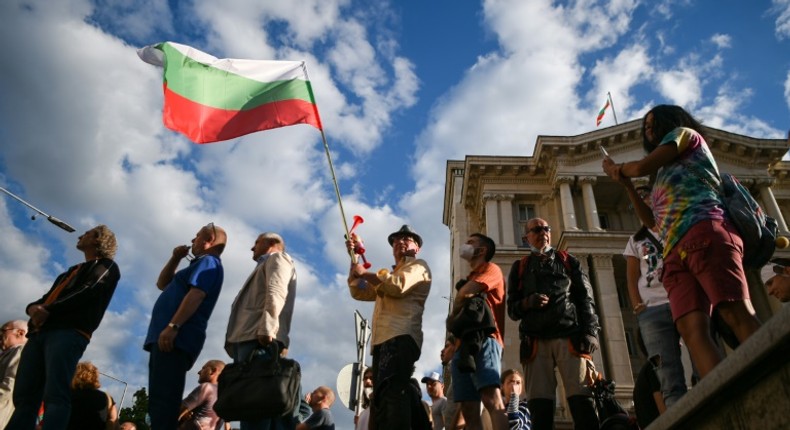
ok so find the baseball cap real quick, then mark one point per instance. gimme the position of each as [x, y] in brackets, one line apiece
[434, 376]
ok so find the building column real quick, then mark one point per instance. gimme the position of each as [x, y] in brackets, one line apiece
[590, 209]
[566, 201]
[492, 216]
[617, 362]
[771, 206]
[507, 220]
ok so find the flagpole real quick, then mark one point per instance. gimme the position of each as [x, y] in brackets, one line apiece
[614, 112]
[331, 165]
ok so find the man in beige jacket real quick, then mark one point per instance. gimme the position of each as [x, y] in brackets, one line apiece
[261, 313]
[396, 340]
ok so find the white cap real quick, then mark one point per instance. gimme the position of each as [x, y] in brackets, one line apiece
[767, 272]
[434, 376]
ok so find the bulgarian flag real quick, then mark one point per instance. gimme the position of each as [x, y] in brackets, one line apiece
[209, 99]
[601, 113]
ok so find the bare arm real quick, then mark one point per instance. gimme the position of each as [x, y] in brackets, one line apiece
[188, 306]
[468, 290]
[167, 273]
[633, 273]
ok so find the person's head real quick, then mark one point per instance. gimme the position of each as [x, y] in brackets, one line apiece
[321, 398]
[86, 376]
[512, 382]
[210, 371]
[210, 239]
[127, 425]
[98, 242]
[266, 243]
[661, 120]
[367, 378]
[405, 242]
[14, 332]
[776, 277]
[448, 351]
[433, 385]
[478, 247]
[538, 233]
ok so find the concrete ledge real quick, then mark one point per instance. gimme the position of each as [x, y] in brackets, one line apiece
[750, 389]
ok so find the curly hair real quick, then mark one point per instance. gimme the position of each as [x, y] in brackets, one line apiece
[665, 119]
[86, 376]
[106, 243]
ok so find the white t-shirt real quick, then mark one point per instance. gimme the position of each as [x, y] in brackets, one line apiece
[651, 266]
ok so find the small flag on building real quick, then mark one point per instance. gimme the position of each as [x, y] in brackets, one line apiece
[209, 99]
[601, 113]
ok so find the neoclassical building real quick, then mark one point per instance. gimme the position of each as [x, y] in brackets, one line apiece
[591, 217]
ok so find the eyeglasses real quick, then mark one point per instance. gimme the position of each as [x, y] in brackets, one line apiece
[540, 228]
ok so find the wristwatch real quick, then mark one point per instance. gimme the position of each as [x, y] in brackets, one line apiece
[174, 326]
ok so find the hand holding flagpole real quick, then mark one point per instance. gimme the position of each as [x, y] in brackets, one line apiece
[50, 218]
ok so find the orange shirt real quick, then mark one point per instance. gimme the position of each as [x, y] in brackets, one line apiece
[490, 276]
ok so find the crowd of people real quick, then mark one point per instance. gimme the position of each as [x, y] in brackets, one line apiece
[672, 289]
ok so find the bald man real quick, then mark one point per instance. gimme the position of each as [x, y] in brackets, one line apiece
[179, 319]
[320, 401]
[13, 339]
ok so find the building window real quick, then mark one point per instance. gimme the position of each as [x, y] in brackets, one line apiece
[603, 220]
[526, 212]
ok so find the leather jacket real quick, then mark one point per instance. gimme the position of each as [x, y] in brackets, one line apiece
[571, 308]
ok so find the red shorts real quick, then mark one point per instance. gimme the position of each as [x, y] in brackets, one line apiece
[704, 269]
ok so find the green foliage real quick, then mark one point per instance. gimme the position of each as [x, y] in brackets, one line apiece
[137, 412]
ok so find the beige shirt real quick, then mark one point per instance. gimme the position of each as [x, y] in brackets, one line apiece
[264, 306]
[400, 300]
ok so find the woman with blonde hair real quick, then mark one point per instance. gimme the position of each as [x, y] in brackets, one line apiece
[91, 408]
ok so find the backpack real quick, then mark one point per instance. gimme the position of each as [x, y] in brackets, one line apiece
[758, 230]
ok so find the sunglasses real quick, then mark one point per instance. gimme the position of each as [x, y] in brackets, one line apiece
[540, 228]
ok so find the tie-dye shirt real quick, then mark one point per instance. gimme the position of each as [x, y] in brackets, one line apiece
[680, 199]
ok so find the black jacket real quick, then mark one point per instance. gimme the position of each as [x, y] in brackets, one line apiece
[571, 308]
[472, 325]
[81, 304]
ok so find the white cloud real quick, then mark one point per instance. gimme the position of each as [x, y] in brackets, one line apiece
[787, 89]
[721, 40]
[682, 87]
[782, 9]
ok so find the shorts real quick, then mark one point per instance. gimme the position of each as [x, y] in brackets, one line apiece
[705, 269]
[488, 361]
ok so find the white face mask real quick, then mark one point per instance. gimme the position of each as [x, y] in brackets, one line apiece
[467, 251]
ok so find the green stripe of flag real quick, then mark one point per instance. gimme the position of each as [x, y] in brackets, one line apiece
[220, 89]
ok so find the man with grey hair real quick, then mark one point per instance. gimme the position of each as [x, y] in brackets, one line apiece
[261, 313]
[60, 328]
[13, 340]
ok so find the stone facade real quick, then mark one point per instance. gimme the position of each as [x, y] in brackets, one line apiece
[591, 217]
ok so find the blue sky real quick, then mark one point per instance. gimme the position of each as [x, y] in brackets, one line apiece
[401, 87]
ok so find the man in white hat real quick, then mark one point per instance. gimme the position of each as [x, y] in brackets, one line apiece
[435, 389]
[400, 295]
[776, 277]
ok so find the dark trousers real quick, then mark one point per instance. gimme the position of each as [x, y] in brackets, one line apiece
[167, 373]
[393, 365]
[46, 368]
